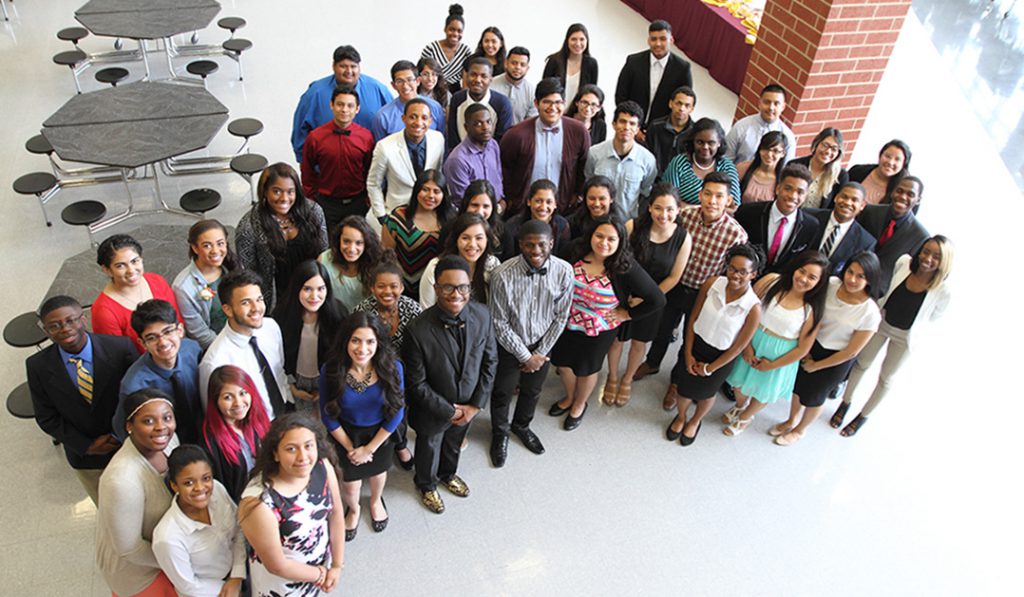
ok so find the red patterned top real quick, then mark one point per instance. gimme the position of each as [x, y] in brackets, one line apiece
[592, 298]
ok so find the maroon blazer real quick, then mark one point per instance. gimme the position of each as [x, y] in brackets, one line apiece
[517, 150]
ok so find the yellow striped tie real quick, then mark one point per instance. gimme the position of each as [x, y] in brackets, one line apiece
[84, 379]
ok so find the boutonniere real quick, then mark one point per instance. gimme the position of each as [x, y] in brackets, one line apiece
[206, 294]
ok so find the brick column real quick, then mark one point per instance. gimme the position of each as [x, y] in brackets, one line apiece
[829, 55]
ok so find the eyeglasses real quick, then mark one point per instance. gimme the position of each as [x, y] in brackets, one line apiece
[546, 103]
[829, 147]
[164, 333]
[586, 104]
[732, 270]
[56, 326]
[450, 289]
[405, 81]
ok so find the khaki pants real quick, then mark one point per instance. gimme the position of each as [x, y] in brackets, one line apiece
[90, 480]
[894, 342]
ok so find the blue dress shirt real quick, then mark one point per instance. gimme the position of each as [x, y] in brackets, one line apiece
[547, 154]
[314, 107]
[144, 373]
[85, 355]
[389, 118]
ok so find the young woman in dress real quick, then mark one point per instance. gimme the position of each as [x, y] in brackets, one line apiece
[450, 53]
[573, 64]
[414, 230]
[609, 289]
[197, 542]
[880, 179]
[233, 429]
[793, 304]
[918, 295]
[133, 498]
[362, 403]
[850, 320]
[758, 176]
[492, 47]
[431, 83]
[661, 246]
[481, 199]
[195, 287]
[724, 318]
[291, 512]
[468, 236]
[826, 166]
[120, 258]
[309, 317]
[355, 250]
[703, 152]
[281, 231]
[587, 106]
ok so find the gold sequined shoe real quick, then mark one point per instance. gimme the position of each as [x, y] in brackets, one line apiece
[457, 486]
[432, 500]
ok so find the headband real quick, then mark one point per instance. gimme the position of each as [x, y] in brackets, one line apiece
[139, 407]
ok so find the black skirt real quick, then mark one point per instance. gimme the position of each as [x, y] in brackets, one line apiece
[814, 388]
[581, 353]
[360, 436]
[699, 388]
[644, 329]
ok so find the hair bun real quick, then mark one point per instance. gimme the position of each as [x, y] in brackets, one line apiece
[455, 10]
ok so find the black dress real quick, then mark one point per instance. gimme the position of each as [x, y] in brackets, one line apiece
[658, 264]
[234, 477]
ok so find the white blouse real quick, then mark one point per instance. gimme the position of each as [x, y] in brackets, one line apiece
[783, 322]
[720, 322]
[841, 320]
[198, 557]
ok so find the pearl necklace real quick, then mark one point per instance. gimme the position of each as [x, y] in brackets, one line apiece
[697, 164]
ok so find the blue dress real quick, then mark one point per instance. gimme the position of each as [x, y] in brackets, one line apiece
[768, 387]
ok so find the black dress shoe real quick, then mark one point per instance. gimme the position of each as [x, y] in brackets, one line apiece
[727, 392]
[529, 439]
[380, 525]
[499, 450]
[686, 441]
[572, 422]
[406, 464]
[672, 435]
[557, 411]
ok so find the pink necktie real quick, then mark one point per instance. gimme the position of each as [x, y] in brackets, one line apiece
[777, 240]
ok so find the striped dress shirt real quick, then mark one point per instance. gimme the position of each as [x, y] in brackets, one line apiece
[710, 242]
[530, 311]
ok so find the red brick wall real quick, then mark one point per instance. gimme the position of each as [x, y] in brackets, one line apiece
[829, 55]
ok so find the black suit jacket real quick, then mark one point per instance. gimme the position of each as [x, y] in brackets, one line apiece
[635, 83]
[856, 240]
[60, 409]
[754, 218]
[432, 380]
[907, 238]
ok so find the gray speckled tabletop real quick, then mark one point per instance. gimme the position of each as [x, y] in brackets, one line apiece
[146, 19]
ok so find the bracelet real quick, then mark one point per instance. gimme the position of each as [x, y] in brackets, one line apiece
[706, 372]
[321, 575]
[340, 566]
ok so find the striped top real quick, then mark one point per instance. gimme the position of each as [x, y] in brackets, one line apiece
[592, 298]
[530, 309]
[413, 247]
[451, 70]
[680, 174]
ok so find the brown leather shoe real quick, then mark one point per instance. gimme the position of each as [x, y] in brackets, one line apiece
[644, 371]
[669, 401]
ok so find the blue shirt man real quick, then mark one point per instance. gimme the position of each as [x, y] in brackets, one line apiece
[631, 166]
[547, 161]
[404, 78]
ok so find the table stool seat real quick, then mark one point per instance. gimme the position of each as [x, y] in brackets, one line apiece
[39, 145]
[200, 201]
[203, 68]
[237, 45]
[112, 75]
[73, 34]
[245, 127]
[248, 164]
[34, 183]
[83, 213]
[19, 402]
[232, 24]
[69, 58]
[24, 331]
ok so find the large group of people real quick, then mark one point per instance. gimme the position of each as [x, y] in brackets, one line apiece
[439, 253]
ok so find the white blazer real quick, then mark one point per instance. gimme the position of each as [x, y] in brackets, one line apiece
[391, 166]
[934, 305]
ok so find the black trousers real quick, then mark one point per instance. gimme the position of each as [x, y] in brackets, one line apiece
[679, 302]
[437, 455]
[506, 378]
[337, 209]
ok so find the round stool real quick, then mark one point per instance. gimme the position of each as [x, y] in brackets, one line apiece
[39, 145]
[247, 165]
[19, 402]
[112, 75]
[84, 213]
[72, 34]
[245, 128]
[71, 59]
[234, 48]
[40, 184]
[232, 24]
[202, 68]
[200, 201]
[24, 331]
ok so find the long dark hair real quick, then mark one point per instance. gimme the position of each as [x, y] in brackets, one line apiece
[383, 363]
[301, 213]
[868, 262]
[562, 56]
[289, 311]
[769, 140]
[373, 251]
[815, 297]
[445, 210]
[440, 90]
[451, 247]
[618, 262]
[484, 187]
[255, 424]
[266, 466]
[500, 56]
[640, 240]
[905, 150]
[202, 227]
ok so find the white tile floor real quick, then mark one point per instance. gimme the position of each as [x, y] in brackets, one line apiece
[924, 502]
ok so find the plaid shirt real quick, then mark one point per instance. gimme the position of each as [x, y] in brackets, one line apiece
[710, 242]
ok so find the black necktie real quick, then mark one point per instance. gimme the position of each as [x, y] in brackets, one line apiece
[188, 421]
[541, 271]
[276, 400]
[343, 132]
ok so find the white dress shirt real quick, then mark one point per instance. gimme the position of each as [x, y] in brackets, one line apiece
[460, 113]
[843, 229]
[720, 321]
[233, 348]
[774, 221]
[198, 557]
[657, 72]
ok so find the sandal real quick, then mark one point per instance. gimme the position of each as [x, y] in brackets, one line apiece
[780, 430]
[625, 392]
[789, 438]
[851, 429]
[608, 393]
[737, 427]
[669, 401]
[837, 419]
[731, 415]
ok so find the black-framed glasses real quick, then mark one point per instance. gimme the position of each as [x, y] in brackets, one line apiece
[450, 289]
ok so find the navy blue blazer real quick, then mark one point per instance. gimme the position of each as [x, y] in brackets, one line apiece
[856, 240]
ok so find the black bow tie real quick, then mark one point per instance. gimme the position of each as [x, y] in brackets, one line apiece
[345, 132]
[453, 323]
[537, 270]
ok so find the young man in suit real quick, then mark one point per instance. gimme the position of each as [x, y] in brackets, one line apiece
[650, 77]
[400, 158]
[477, 75]
[840, 237]
[74, 386]
[450, 359]
[547, 146]
[779, 226]
[895, 227]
